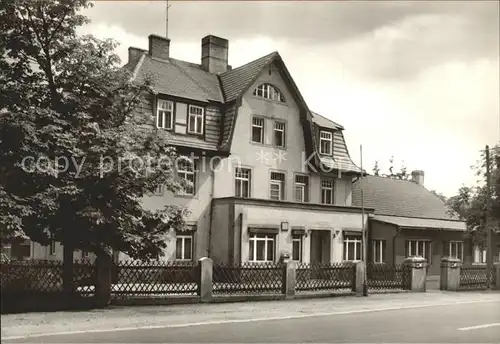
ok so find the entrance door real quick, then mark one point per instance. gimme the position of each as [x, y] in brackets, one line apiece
[320, 247]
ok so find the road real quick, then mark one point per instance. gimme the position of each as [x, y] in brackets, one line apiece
[477, 322]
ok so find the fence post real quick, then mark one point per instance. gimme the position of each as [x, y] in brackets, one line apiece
[206, 272]
[359, 278]
[450, 274]
[289, 279]
[496, 274]
[103, 265]
[418, 273]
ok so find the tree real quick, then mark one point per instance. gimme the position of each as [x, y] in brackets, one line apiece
[401, 175]
[471, 203]
[76, 156]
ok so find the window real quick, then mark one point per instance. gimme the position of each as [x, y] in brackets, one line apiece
[257, 130]
[325, 142]
[327, 191]
[261, 248]
[301, 188]
[85, 254]
[164, 114]
[279, 134]
[297, 247]
[268, 91]
[52, 247]
[195, 119]
[184, 247]
[420, 248]
[277, 187]
[352, 247]
[454, 249]
[186, 171]
[242, 182]
[378, 249]
[479, 255]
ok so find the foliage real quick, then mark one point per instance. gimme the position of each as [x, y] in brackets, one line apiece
[471, 203]
[69, 106]
[401, 175]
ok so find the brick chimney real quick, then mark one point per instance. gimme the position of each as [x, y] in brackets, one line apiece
[159, 47]
[134, 53]
[214, 53]
[417, 176]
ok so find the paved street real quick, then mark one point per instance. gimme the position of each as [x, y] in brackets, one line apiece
[473, 318]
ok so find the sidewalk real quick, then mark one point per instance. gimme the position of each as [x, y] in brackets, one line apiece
[14, 325]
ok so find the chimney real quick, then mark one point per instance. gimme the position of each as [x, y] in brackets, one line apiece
[159, 47]
[134, 53]
[214, 52]
[417, 176]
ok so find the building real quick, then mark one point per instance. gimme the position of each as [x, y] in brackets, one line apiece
[409, 220]
[268, 177]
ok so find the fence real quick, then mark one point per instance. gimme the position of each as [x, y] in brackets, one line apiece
[158, 279]
[248, 278]
[38, 285]
[317, 277]
[474, 277]
[388, 277]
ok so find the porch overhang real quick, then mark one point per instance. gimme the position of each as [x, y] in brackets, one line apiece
[422, 223]
[292, 205]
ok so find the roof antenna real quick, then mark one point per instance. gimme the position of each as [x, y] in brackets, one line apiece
[167, 6]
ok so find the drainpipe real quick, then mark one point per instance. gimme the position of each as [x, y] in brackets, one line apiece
[398, 231]
[209, 249]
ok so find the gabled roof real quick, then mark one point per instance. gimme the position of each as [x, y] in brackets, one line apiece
[325, 122]
[236, 81]
[190, 81]
[401, 198]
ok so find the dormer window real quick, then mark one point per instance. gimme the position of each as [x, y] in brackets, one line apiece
[165, 114]
[325, 142]
[195, 119]
[268, 91]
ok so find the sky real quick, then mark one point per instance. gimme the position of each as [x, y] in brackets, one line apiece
[415, 80]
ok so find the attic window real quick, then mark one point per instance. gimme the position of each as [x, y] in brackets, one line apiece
[268, 91]
[325, 142]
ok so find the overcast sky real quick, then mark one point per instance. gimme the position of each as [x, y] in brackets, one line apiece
[417, 80]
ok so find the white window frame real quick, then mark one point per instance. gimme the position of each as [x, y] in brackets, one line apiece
[183, 172]
[162, 111]
[304, 187]
[280, 127]
[195, 130]
[261, 237]
[418, 253]
[326, 136]
[270, 92]
[183, 238]
[381, 246]
[480, 256]
[325, 187]
[459, 244]
[240, 177]
[298, 238]
[357, 242]
[258, 122]
[280, 183]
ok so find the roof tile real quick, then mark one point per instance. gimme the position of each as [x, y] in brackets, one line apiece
[399, 198]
